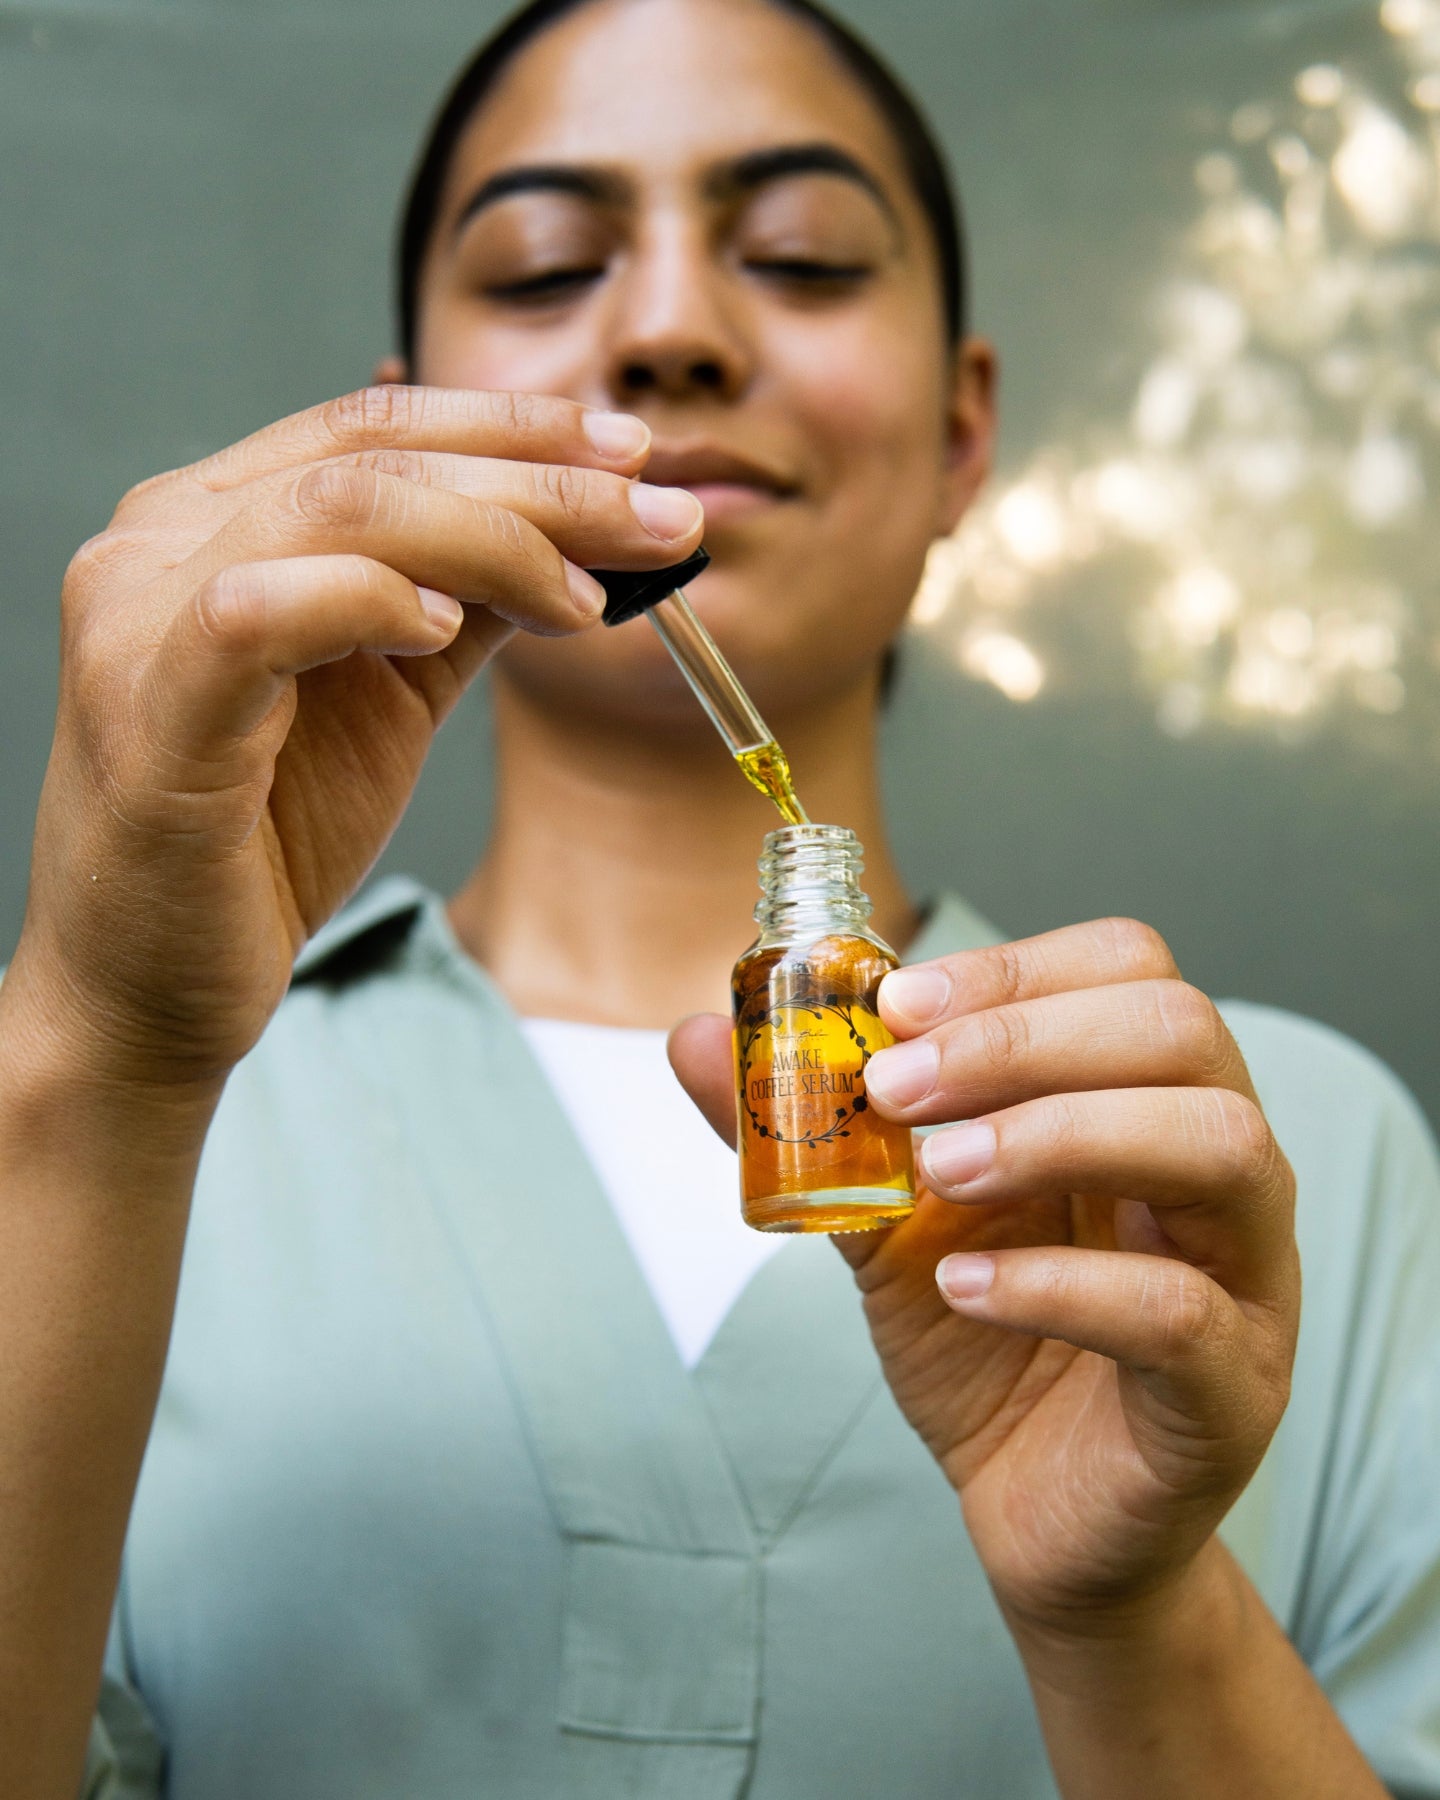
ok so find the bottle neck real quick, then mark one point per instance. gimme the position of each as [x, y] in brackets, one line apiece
[810, 885]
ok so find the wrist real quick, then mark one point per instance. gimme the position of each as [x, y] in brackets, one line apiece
[70, 1091]
[1182, 1629]
[1193, 1691]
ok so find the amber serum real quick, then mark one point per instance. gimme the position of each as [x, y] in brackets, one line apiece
[813, 1156]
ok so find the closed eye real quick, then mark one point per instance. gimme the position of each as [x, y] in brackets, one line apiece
[549, 284]
[808, 271]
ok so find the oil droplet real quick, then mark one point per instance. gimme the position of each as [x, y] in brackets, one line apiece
[765, 767]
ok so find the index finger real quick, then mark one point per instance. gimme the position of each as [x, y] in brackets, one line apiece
[1100, 953]
[466, 421]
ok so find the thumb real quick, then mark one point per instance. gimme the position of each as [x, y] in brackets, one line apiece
[704, 1064]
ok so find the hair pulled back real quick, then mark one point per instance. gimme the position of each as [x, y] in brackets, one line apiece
[924, 163]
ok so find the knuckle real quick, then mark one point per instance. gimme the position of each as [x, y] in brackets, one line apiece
[389, 460]
[524, 567]
[1191, 1023]
[334, 496]
[1186, 1308]
[96, 567]
[368, 415]
[1004, 1035]
[364, 578]
[1064, 1128]
[531, 416]
[1060, 1284]
[522, 558]
[507, 533]
[1243, 1136]
[1138, 948]
[139, 501]
[540, 560]
[90, 565]
[514, 412]
[1007, 973]
[566, 488]
[231, 609]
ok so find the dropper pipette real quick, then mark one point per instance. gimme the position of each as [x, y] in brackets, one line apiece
[732, 712]
[712, 680]
[730, 709]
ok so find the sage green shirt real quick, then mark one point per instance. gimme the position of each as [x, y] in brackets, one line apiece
[432, 1510]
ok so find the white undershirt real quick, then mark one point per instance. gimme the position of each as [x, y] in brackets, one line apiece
[671, 1181]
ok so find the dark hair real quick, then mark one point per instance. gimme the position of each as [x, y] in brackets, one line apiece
[923, 160]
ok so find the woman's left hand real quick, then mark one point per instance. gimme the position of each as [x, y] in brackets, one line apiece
[1091, 1316]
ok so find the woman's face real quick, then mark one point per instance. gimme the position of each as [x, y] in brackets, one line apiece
[689, 210]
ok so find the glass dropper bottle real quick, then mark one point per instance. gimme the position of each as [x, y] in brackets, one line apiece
[813, 1156]
[658, 593]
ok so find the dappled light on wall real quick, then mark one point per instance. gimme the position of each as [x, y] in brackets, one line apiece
[1251, 532]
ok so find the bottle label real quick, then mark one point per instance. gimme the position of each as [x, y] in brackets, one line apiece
[800, 1068]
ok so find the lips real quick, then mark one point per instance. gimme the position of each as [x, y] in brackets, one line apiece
[718, 475]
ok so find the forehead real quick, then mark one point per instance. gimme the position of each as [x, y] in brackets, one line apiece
[666, 88]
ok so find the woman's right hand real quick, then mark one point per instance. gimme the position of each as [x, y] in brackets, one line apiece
[255, 656]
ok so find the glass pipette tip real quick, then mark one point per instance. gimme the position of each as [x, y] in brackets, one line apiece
[730, 709]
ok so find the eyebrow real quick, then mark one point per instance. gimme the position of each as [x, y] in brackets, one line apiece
[760, 167]
[593, 185]
[737, 178]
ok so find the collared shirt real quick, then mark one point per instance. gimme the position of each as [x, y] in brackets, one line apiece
[432, 1510]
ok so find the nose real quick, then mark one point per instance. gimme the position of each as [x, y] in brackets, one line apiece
[677, 331]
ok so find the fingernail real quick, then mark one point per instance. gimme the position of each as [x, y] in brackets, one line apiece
[585, 591]
[665, 512]
[965, 1277]
[904, 1073]
[619, 436]
[963, 1153]
[443, 613]
[921, 994]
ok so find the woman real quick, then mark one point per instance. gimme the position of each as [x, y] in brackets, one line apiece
[432, 1505]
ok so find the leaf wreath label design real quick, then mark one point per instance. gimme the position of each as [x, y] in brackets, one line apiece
[801, 1062]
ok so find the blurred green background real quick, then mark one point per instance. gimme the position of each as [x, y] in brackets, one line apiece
[1185, 663]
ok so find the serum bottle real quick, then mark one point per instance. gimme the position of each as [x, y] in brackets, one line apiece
[813, 1156]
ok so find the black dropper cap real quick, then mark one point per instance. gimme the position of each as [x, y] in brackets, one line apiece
[629, 592]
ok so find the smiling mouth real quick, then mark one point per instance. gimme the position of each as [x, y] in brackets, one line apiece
[724, 483]
[734, 502]
[728, 498]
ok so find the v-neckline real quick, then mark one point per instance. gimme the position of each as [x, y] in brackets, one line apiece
[667, 1486]
[625, 1449]
[634, 1446]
